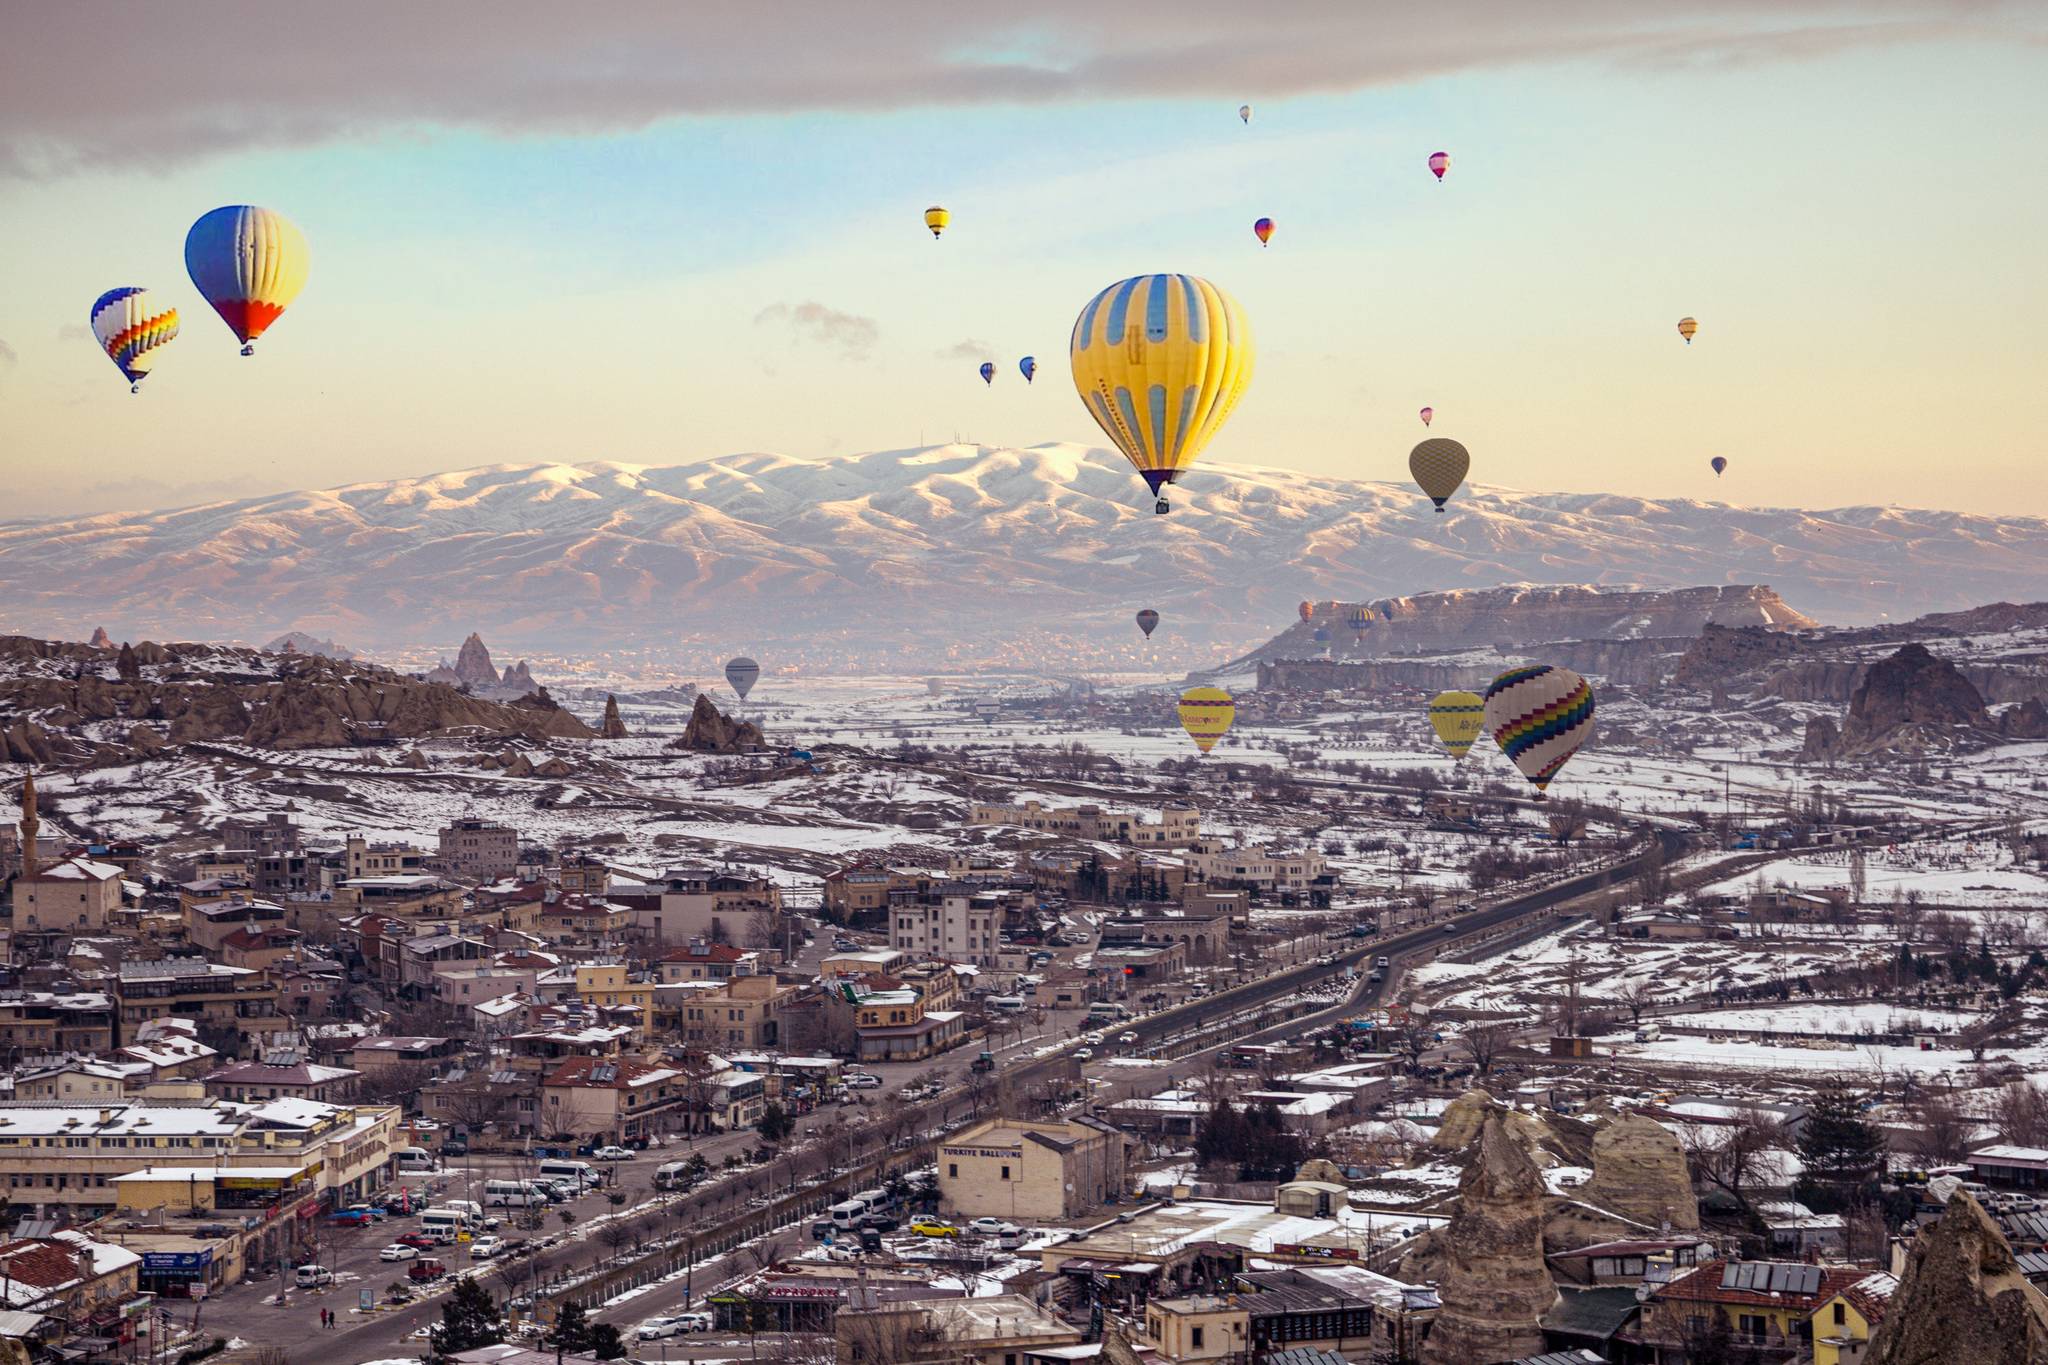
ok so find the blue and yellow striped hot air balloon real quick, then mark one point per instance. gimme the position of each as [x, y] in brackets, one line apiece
[1160, 361]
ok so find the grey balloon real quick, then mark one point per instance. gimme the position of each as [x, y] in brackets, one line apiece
[742, 673]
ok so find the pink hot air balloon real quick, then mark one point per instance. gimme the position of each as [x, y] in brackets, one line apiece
[1439, 162]
[1427, 413]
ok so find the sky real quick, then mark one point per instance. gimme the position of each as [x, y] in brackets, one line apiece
[674, 232]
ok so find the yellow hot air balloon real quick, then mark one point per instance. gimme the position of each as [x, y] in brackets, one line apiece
[1160, 361]
[1459, 718]
[1439, 466]
[1206, 714]
[936, 219]
[1686, 327]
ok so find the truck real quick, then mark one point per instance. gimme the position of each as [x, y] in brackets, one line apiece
[985, 1062]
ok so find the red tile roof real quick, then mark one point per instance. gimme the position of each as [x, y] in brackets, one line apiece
[710, 952]
[1704, 1286]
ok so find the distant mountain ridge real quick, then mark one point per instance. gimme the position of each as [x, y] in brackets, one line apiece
[948, 555]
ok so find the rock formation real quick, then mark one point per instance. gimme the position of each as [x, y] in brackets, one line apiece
[613, 726]
[1493, 1280]
[1913, 702]
[299, 642]
[519, 678]
[100, 639]
[52, 698]
[126, 666]
[473, 664]
[711, 731]
[1962, 1298]
[1639, 1171]
[1462, 1119]
[2028, 720]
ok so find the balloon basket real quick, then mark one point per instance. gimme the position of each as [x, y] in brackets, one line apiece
[249, 348]
[1160, 508]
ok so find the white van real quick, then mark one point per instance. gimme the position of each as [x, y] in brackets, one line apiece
[1649, 1033]
[511, 1194]
[556, 1168]
[1006, 1004]
[443, 1224]
[1106, 1011]
[671, 1175]
[468, 1208]
[416, 1159]
[313, 1276]
[849, 1214]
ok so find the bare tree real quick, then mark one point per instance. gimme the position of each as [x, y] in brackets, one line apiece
[1937, 1129]
[2021, 1112]
[765, 1251]
[1483, 1044]
[1731, 1157]
[1635, 997]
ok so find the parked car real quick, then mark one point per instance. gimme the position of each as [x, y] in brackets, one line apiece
[862, 1080]
[1127, 1038]
[418, 1241]
[485, 1247]
[931, 1227]
[370, 1211]
[350, 1218]
[399, 1251]
[986, 1226]
[613, 1154]
[425, 1271]
[694, 1322]
[454, 1147]
[312, 1276]
[821, 1228]
[654, 1329]
[1082, 1054]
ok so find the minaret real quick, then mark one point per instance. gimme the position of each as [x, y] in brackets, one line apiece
[29, 825]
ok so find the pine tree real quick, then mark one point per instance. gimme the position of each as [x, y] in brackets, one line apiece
[572, 1331]
[1842, 1153]
[468, 1320]
[775, 1123]
[605, 1341]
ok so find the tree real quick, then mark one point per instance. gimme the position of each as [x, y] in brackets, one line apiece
[605, 1342]
[571, 1335]
[1636, 996]
[1731, 1158]
[2021, 1112]
[1483, 1044]
[775, 1124]
[1842, 1153]
[1938, 1131]
[468, 1320]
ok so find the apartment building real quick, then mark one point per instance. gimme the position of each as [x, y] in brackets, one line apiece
[613, 1099]
[193, 988]
[1292, 876]
[740, 1012]
[1176, 825]
[479, 850]
[685, 904]
[43, 1023]
[957, 924]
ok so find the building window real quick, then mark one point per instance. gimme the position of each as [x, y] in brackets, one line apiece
[1754, 1325]
[1006, 1173]
[1841, 1314]
[1195, 1338]
[952, 1170]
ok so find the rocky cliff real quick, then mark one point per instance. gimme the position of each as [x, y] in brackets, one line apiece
[1913, 702]
[1639, 1171]
[64, 704]
[473, 663]
[613, 726]
[711, 731]
[1493, 1280]
[1962, 1299]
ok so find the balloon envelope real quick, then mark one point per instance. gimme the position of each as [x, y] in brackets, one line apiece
[1244, 112]
[1427, 413]
[1160, 361]
[1540, 716]
[1686, 328]
[1439, 162]
[1263, 230]
[1206, 714]
[1360, 618]
[1322, 635]
[1719, 463]
[131, 328]
[1458, 718]
[1028, 366]
[1439, 466]
[1148, 621]
[249, 263]
[742, 673]
[988, 372]
[936, 219]
[1307, 611]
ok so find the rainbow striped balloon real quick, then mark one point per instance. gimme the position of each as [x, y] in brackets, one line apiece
[1540, 716]
[131, 329]
[1206, 714]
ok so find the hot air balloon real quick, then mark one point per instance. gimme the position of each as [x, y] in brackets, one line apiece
[1029, 367]
[1540, 716]
[1263, 230]
[1439, 162]
[1307, 611]
[1439, 466]
[742, 673]
[1244, 113]
[1206, 713]
[1359, 618]
[1458, 718]
[936, 219]
[131, 329]
[1322, 635]
[1720, 465]
[1686, 327]
[1427, 413]
[1160, 361]
[988, 372]
[1148, 621]
[249, 263]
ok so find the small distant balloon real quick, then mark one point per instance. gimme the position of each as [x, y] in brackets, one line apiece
[742, 673]
[131, 328]
[1244, 113]
[1439, 466]
[1439, 162]
[1148, 621]
[1720, 465]
[988, 372]
[1427, 413]
[1206, 714]
[1322, 635]
[1028, 366]
[1307, 611]
[1686, 328]
[1359, 618]
[1263, 230]
[936, 219]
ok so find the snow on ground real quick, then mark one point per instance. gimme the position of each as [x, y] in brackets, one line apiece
[1832, 1020]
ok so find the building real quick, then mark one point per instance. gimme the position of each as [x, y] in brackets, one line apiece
[192, 988]
[1290, 876]
[263, 836]
[479, 850]
[361, 858]
[87, 1286]
[956, 924]
[1003, 1329]
[700, 961]
[613, 1100]
[686, 904]
[1174, 826]
[2006, 1165]
[740, 1012]
[48, 1023]
[863, 893]
[1766, 1307]
[257, 1081]
[1010, 1168]
[73, 896]
[1842, 1325]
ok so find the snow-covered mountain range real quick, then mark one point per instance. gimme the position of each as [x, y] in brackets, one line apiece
[919, 558]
